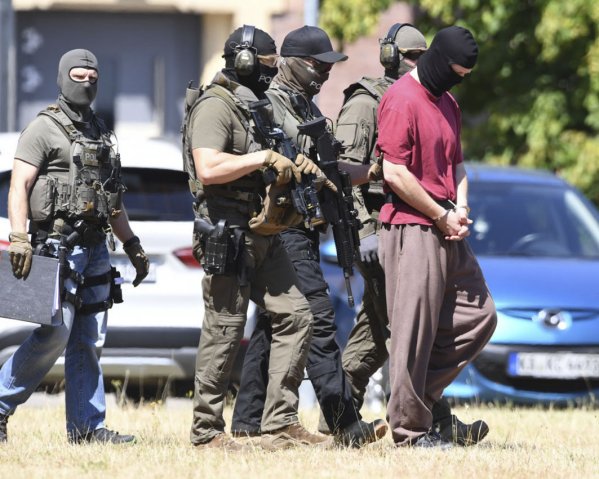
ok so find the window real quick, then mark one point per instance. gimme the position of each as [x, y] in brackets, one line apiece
[157, 195]
[531, 220]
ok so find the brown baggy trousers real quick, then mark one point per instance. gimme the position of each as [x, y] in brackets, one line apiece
[274, 287]
[441, 315]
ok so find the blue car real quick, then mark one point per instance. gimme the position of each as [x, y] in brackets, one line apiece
[537, 241]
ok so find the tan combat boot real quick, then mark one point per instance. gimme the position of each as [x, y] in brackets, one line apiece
[291, 436]
[224, 442]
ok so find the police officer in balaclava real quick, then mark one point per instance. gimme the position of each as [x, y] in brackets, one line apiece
[66, 174]
[77, 93]
[259, 73]
[307, 59]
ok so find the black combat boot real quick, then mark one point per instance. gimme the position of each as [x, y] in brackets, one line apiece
[361, 433]
[451, 429]
[3, 428]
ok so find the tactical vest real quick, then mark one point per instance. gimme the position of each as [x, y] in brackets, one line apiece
[375, 87]
[93, 190]
[244, 193]
[290, 110]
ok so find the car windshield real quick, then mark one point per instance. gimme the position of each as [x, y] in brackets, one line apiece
[531, 220]
[157, 195]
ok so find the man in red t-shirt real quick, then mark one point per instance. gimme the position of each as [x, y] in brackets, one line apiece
[440, 311]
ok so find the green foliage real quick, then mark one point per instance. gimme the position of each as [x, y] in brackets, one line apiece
[347, 20]
[533, 98]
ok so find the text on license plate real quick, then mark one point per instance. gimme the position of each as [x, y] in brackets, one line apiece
[128, 272]
[554, 365]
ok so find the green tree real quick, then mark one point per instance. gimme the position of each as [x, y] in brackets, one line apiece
[348, 20]
[533, 98]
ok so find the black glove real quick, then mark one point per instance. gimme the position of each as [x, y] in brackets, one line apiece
[138, 259]
[369, 249]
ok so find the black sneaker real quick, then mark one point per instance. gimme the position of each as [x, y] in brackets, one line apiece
[360, 433]
[453, 430]
[462, 434]
[103, 436]
[430, 440]
[3, 428]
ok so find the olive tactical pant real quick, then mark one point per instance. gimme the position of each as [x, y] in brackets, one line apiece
[324, 367]
[366, 349]
[273, 285]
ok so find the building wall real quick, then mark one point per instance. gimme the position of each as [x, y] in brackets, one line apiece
[149, 50]
[168, 43]
[145, 59]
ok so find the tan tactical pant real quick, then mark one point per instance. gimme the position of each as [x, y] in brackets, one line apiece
[441, 315]
[272, 286]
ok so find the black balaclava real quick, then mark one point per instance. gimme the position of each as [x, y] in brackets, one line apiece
[75, 98]
[451, 45]
[298, 75]
[259, 80]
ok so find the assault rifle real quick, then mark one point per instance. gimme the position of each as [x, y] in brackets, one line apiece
[304, 194]
[338, 208]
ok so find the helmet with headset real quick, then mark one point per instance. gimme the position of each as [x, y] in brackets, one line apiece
[402, 37]
[245, 52]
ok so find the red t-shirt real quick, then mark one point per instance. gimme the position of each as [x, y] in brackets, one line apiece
[420, 131]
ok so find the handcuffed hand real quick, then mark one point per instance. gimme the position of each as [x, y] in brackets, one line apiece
[375, 172]
[369, 249]
[20, 253]
[284, 167]
[138, 259]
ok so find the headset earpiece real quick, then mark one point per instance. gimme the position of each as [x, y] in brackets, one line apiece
[389, 53]
[245, 53]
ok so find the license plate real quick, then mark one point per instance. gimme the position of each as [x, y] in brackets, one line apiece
[554, 365]
[128, 272]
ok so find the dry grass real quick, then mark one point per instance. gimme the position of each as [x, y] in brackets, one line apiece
[522, 443]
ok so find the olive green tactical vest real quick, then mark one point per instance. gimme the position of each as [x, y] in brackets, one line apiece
[93, 191]
[376, 88]
[243, 194]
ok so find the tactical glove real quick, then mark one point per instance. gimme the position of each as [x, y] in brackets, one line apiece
[138, 259]
[375, 172]
[20, 253]
[369, 249]
[284, 167]
[306, 165]
[322, 180]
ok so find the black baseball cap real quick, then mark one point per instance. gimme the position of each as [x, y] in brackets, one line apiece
[310, 42]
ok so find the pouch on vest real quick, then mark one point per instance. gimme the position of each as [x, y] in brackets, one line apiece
[278, 212]
[42, 198]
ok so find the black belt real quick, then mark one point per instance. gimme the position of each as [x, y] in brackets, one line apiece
[391, 197]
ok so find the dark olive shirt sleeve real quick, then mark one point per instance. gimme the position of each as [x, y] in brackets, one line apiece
[211, 125]
[356, 129]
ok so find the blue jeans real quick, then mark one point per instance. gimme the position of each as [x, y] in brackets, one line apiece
[83, 337]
